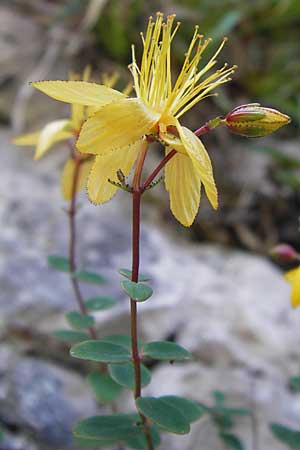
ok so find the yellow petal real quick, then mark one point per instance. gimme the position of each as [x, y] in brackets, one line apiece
[106, 167]
[52, 133]
[201, 161]
[184, 186]
[77, 116]
[293, 277]
[115, 126]
[80, 92]
[27, 139]
[68, 174]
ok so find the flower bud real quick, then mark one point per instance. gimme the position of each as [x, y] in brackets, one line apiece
[284, 253]
[253, 120]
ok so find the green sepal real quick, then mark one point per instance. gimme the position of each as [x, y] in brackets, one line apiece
[128, 274]
[79, 321]
[100, 303]
[136, 291]
[105, 389]
[100, 351]
[123, 374]
[89, 277]
[120, 426]
[165, 350]
[70, 336]
[59, 263]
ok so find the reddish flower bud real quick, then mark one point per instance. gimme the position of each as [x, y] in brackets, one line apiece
[253, 120]
[284, 253]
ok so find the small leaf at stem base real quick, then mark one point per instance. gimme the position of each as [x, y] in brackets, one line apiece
[128, 274]
[137, 291]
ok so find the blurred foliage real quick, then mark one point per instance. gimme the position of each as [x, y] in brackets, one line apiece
[223, 417]
[286, 168]
[264, 40]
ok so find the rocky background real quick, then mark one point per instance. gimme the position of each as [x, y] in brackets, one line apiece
[217, 293]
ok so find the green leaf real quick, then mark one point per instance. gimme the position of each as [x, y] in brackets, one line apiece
[128, 274]
[137, 291]
[286, 435]
[164, 350]
[222, 420]
[139, 442]
[104, 388]
[219, 397]
[97, 350]
[163, 414]
[79, 321]
[120, 426]
[94, 443]
[70, 336]
[191, 410]
[294, 384]
[235, 411]
[121, 339]
[231, 441]
[100, 303]
[89, 277]
[59, 263]
[123, 374]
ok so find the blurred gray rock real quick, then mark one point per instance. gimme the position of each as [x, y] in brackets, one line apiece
[41, 398]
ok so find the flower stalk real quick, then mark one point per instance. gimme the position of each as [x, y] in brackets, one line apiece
[72, 242]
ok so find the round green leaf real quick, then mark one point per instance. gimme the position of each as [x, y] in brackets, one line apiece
[94, 443]
[59, 263]
[120, 426]
[70, 336]
[139, 441]
[123, 374]
[89, 277]
[97, 350]
[137, 291]
[120, 339]
[104, 388]
[164, 350]
[128, 274]
[286, 435]
[163, 414]
[191, 410]
[79, 321]
[100, 303]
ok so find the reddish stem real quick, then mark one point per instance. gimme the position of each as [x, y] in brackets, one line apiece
[204, 129]
[72, 244]
[158, 169]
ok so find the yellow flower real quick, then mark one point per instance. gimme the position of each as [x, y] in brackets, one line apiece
[62, 130]
[116, 131]
[293, 278]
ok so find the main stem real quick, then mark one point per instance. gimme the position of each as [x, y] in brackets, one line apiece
[72, 244]
[137, 192]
